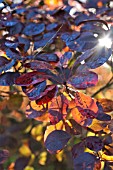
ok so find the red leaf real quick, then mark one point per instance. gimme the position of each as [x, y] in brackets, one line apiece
[47, 95]
[34, 65]
[28, 79]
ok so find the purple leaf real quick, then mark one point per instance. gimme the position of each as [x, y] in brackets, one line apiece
[21, 163]
[65, 58]
[100, 56]
[35, 65]
[52, 26]
[47, 39]
[8, 79]
[84, 80]
[51, 58]
[33, 29]
[94, 143]
[85, 161]
[78, 149]
[6, 64]
[36, 91]
[101, 115]
[16, 29]
[57, 140]
[12, 53]
[25, 42]
[3, 61]
[10, 23]
[4, 154]
[55, 116]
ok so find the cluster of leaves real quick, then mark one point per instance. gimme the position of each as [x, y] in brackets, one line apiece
[50, 53]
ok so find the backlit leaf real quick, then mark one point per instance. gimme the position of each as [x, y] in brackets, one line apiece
[106, 104]
[47, 95]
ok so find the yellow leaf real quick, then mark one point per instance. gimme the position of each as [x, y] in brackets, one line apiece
[59, 156]
[25, 150]
[28, 168]
[43, 158]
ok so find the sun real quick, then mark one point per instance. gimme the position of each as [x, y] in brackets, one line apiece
[105, 42]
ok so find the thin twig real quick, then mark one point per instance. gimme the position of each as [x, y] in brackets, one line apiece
[48, 41]
[104, 87]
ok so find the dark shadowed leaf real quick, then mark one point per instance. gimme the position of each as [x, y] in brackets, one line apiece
[34, 29]
[4, 154]
[8, 79]
[28, 79]
[25, 42]
[84, 80]
[16, 29]
[8, 141]
[78, 149]
[3, 61]
[107, 140]
[47, 39]
[85, 161]
[6, 66]
[101, 115]
[57, 140]
[21, 163]
[94, 143]
[107, 166]
[111, 126]
[51, 58]
[55, 116]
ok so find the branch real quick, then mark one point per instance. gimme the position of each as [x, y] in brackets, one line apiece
[104, 87]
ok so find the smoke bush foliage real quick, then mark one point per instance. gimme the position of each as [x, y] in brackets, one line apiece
[50, 52]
